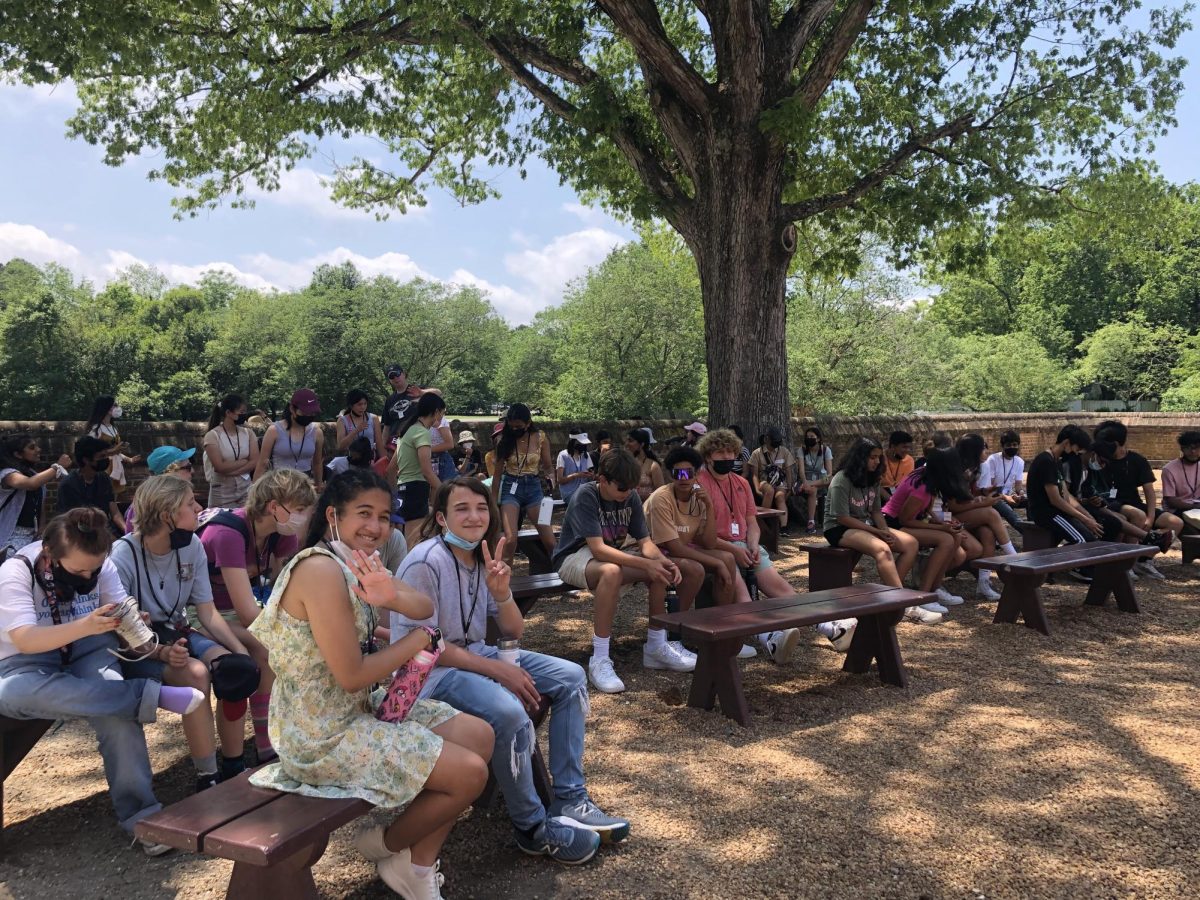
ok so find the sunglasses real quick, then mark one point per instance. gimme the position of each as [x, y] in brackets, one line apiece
[683, 474]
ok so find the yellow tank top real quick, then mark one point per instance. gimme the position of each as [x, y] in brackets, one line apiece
[527, 463]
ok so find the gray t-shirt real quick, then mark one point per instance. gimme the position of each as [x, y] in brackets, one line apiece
[590, 515]
[846, 499]
[461, 599]
[163, 585]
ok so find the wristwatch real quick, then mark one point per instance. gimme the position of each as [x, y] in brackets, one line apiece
[436, 642]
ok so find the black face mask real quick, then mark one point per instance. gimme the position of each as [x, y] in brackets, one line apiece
[180, 538]
[810, 442]
[518, 431]
[304, 421]
[241, 419]
[80, 584]
[1010, 452]
[101, 465]
[722, 466]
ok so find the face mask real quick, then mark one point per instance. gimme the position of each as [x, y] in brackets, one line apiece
[80, 584]
[294, 525]
[1010, 452]
[117, 412]
[304, 421]
[468, 447]
[101, 465]
[455, 541]
[241, 419]
[722, 466]
[180, 538]
[810, 442]
[518, 431]
[1094, 466]
[340, 547]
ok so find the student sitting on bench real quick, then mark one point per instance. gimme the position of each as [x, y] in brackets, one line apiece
[1005, 472]
[1051, 504]
[977, 511]
[601, 516]
[1181, 482]
[898, 462]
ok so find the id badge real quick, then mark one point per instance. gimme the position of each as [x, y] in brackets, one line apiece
[734, 530]
[779, 462]
[1112, 493]
[513, 490]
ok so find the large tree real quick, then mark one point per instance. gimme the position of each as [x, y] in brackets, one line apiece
[731, 120]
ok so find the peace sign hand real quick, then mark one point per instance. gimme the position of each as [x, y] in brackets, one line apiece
[375, 585]
[497, 572]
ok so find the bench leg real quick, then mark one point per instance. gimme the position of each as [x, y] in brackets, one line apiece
[17, 738]
[717, 676]
[291, 878]
[1191, 549]
[769, 534]
[826, 573]
[875, 639]
[1021, 597]
[1112, 580]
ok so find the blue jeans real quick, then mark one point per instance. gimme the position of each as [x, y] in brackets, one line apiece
[529, 490]
[39, 686]
[445, 466]
[1008, 514]
[566, 686]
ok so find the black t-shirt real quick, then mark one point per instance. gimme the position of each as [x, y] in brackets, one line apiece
[74, 492]
[1043, 472]
[30, 509]
[475, 466]
[1128, 475]
[397, 406]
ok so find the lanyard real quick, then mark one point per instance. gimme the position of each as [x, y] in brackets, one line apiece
[728, 500]
[296, 457]
[161, 583]
[893, 475]
[367, 646]
[235, 450]
[54, 596]
[866, 494]
[472, 589]
[1195, 482]
[264, 570]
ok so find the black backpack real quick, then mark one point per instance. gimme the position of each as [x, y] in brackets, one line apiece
[237, 523]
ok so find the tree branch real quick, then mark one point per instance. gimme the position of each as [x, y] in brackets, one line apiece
[833, 52]
[797, 28]
[401, 29]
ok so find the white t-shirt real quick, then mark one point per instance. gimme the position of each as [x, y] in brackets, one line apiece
[997, 471]
[23, 602]
[437, 445]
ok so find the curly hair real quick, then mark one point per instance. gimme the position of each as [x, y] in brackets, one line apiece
[717, 441]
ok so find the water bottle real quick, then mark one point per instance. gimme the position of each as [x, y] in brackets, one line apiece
[672, 601]
[509, 650]
[750, 576]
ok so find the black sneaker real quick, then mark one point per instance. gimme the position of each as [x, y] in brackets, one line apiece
[232, 766]
[1083, 576]
[1160, 539]
[204, 782]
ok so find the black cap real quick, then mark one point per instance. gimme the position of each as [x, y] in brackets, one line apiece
[234, 676]
[393, 369]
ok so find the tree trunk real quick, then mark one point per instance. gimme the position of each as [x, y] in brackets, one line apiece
[742, 250]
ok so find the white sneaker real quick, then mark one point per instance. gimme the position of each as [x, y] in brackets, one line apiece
[843, 634]
[747, 652]
[664, 657]
[781, 644]
[935, 607]
[683, 652]
[924, 616]
[986, 591]
[1145, 567]
[396, 872]
[602, 676]
[945, 598]
[370, 844]
[150, 848]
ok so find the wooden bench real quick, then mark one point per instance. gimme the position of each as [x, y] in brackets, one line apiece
[17, 738]
[1191, 547]
[768, 527]
[829, 567]
[526, 591]
[717, 634]
[1035, 537]
[273, 838]
[1025, 572]
[530, 545]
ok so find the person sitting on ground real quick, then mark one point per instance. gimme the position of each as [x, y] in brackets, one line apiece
[853, 519]
[162, 565]
[1004, 473]
[638, 442]
[412, 469]
[574, 467]
[468, 461]
[773, 472]
[1132, 476]
[359, 455]
[1181, 482]
[355, 421]
[100, 426]
[683, 524]
[23, 490]
[230, 452]
[741, 465]
[523, 457]
[296, 441]
[818, 469]
[244, 549]
[977, 511]
[57, 599]
[164, 460]
[318, 627]
[89, 484]
[1050, 504]
[738, 533]
[601, 516]
[898, 462]
[453, 566]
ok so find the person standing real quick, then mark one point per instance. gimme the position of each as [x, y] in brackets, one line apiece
[296, 441]
[356, 421]
[574, 467]
[230, 453]
[412, 470]
[100, 426]
[395, 411]
[522, 458]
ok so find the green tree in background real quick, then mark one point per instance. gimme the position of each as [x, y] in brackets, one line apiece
[1133, 359]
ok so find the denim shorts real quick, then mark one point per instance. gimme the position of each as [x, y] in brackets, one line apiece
[198, 645]
[529, 490]
[764, 561]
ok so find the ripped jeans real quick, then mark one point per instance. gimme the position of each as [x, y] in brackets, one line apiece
[566, 685]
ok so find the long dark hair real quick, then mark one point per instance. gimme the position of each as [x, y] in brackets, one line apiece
[943, 476]
[820, 440]
[352, 397]
[441, 502]
[507, 445]
[227, 404]
[854, 463]
[99, 410]
[642, 436]
[970, 452]
[427, 405]
[10, 451]
[340, 490]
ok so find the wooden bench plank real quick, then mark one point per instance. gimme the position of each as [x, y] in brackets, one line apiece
[768, 527]
[1070, 556]
[716, 614]
[185, 824]
[829, 567]
[279, 830]
[17, 738]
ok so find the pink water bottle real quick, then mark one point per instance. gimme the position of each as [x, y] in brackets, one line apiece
[406, 685]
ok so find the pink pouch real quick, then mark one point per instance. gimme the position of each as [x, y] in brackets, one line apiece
[406, 686]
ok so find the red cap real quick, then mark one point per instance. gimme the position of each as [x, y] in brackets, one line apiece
[306, 402]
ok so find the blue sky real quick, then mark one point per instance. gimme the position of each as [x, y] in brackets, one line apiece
[61, 203]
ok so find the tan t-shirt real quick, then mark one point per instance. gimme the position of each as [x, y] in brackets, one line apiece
[774, 466]
[669, 519]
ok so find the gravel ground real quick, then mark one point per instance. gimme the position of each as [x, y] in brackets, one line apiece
[1014, 765]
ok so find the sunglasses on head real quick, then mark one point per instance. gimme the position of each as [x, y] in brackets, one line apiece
[683, 474]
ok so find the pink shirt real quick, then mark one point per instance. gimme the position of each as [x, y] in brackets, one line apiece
[1180, 481]
[733, 503]
[226, 548]
[908, 487]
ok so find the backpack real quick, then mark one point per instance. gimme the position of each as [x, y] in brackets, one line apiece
[220, 516]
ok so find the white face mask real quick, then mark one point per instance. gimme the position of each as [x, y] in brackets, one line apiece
[468, 446]
[117, 412]
[294, 524]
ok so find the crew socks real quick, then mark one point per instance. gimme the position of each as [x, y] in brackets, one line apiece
[422, 871]
[599, 647]
[182, 700]
[260, 704]
[655, 638]
[205, 765]
[1009, 549]
[985, 578]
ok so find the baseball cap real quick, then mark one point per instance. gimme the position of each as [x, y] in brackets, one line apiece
[581, 437]
[697, 427]
[497, 428]
[464, 436]
[306, 402]
[393, 369]
[161, 457]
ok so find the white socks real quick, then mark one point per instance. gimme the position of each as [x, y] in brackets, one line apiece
[655, 637]
[599, 647]
[1009, 549]
[985, 577]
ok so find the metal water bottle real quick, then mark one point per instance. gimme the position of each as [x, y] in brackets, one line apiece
[509, 650]
[750, 576]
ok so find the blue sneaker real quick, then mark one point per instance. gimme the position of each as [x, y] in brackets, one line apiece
[586, 814]
[564, 843]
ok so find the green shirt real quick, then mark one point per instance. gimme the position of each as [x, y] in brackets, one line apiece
[846, 499]
[408, 462]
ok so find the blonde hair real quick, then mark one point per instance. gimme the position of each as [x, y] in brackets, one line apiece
[157, 498]
[286, 486]
[718, 440]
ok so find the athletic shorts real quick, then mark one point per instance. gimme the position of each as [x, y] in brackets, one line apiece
[412, 500]
[764, 561]
[834, 535]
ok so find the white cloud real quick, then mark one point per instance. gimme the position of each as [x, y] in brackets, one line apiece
[119, 260]
[308, 190]
[568, 256]
[34, 245]
[589, 215]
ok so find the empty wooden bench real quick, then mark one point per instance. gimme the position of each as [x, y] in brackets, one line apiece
[273, 838]
[1024, 573]
[717, 634]
[768, 528]
[17, 738]
[526, 591]
[1191, 547]
[829, 567]
[530, 545]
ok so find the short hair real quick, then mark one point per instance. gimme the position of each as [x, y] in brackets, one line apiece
[899, 437]
[1189, 439]
[942, 440]
[682, 453]
[1010, 437]
[618, 467]
[156, 498]
[287, 486]
[1111, 430]
[84, 528]
[602, 436]
[1106, 450]
[1075, 435]
[722, 439]
[88, 447]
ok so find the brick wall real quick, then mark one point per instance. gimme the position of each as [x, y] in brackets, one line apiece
[1153, 434]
